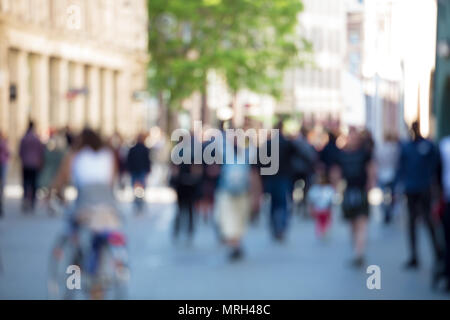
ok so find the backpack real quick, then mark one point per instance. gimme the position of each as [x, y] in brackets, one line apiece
[235, 178]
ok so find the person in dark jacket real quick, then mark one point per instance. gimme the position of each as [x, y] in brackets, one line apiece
[303, 161]
[185, 178]
[139, 165]
[355, 165]
[210, 178]
[279, 185]
[330, 153]
[31, 152]
[418, 167]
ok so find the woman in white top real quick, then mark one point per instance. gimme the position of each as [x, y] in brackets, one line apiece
[92, 169]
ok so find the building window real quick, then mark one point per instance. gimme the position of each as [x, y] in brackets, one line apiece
[354, 37]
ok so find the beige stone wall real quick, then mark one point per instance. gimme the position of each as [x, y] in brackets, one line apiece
[51, 47]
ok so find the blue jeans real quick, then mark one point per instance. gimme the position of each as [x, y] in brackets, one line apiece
[140, 178]
[278, 188]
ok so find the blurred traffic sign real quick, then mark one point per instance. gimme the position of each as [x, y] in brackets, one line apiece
[73, 93]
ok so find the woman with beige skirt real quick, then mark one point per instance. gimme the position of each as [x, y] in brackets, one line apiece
[237, 199]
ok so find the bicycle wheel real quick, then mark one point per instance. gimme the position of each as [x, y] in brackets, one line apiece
[113, 272]
[63, 254]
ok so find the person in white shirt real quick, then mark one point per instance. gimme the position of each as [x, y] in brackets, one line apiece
[91, 168]
[320, 201]
[387, 155]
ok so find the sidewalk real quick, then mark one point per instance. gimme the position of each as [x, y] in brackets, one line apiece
[157, 190]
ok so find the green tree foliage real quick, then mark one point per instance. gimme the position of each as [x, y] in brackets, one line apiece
[249, 42]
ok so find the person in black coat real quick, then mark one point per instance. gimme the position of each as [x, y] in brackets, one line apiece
[186, 179]
[139, 164]
[279, 184]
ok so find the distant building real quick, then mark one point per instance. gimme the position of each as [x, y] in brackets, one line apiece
[398, 63]
[355, 37]
[72, 62]
[355, 112]
[317, 90]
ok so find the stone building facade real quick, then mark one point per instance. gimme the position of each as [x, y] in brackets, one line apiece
[317, 89]
[72, 62]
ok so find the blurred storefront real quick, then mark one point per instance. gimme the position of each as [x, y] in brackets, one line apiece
[72, 62]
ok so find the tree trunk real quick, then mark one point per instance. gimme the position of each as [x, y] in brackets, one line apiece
[163, 113]
[235, 118]
[204, 107]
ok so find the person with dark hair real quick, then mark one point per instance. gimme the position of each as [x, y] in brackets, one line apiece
[139, 166]
[279, 185]
[91, 168]
[4, 157]
[304, 158]
[89, 139]
[417, 171]
[31, 152]
[329, 154]
[185, 178]
[355, 165]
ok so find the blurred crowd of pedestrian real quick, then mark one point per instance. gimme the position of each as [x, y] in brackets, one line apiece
[42, 161]
[321, 170]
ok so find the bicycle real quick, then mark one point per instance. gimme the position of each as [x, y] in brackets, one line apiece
[101, 254]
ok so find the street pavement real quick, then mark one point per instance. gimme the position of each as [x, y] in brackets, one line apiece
[300, 268]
